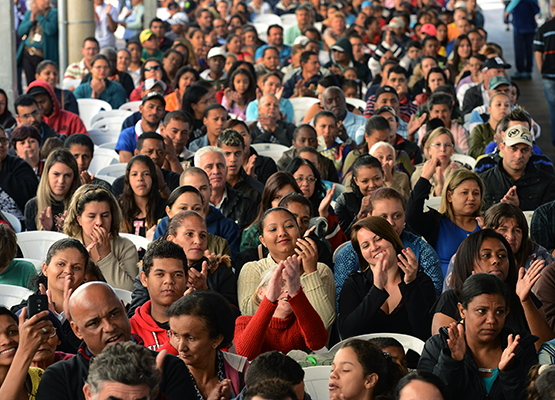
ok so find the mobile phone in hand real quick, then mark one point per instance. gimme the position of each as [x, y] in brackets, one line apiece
[36, 304]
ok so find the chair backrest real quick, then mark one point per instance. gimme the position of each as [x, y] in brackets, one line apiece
[432, 202]
[269, 147]
[102, 160]
[358, 103]
[301, 106]
[35, 262]
[528, 215]
[109, 145]
[336, 252]
[464, 159]
[139, 241]
[108, 124]
[14, 222]
[268, 19]
[35, 244]
[120, 114]
[115, 170]
[109, 179]
[316, 382]
[289, 19]
[261, 29]
[124, 295]
[89, 108]
[408, 341]
[13, 295]
[100, 137]
[70, 83]
[132, 106]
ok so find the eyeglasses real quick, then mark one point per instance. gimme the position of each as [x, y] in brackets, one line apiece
[444, 145]
[4, 141]
[309, 179]
[155, 68]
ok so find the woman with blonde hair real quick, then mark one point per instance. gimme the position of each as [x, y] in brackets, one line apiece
[94, 218]
[461, 203]
[60, 179]
[438, 149]
[391, 178]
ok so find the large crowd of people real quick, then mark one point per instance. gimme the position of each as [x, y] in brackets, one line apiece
[408, 195]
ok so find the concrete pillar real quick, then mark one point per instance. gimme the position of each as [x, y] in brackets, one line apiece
[80, 25]
[150, 12]
[8, 73]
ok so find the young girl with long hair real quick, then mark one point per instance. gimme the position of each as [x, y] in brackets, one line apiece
[241, 91]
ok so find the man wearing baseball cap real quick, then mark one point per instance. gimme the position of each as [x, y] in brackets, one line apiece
[216, 63]
[515, 180]
[152, 112]
[149, 41]
[478, 95]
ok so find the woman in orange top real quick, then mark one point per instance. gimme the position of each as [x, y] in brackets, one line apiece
[184, 78]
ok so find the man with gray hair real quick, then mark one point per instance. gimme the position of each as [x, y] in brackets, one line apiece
[230, 202]
[305, 16]
[270, 127]
[123, 371]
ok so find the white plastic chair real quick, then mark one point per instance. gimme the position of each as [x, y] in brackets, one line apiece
[100, 137]
[528, 215]
[272, 150]
[109, 179]
[115, 170]
[70, 83]
[89, 108]
[464, 159]
[358, 103]
[109, 146]
[336, 252]
[268, 19]
[14, 222]
[323, 57]
[35, 244]
[289, 19]
[36, 263]
[108, 124]
[432, 202]
[13, 295]
[132, 106]
[409, 342]
[301, 106]
[262, 30]
[139, 241]
[103, 158]
[115, 114]
[316, 381]
[124, 295]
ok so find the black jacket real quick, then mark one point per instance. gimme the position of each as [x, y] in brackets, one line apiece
[239, 208]
[222, 280]
[264, 167]
[18, 180]
[360, 306]
[534, 188]
[249, 187]
[463, 378]
[67, 100]
[347, 208]
[64, 380]
[472, 99]
[282, 135]
[422, 223]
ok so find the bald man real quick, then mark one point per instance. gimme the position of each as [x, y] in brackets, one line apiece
[99, 319]
[333, 100]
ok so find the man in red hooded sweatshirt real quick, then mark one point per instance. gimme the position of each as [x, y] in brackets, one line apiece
[63, 122]
[165, 276]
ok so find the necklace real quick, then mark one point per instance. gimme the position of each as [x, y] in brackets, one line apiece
[485, 370]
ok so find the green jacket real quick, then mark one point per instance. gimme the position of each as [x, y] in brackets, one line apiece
[479, 138]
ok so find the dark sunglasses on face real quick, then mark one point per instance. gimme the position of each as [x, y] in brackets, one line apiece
[155, 68]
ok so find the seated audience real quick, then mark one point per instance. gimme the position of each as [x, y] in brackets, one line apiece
[184, 78]
[390, 294]
[271, 84]
[207, 317]
[164, 275]
[386, 153]
[28, 112]
[487, 251]
[12, 271]
[82, 148]
[280, 234]
[46, 211]
[471, 362]
[461, 203]
[97, 302]
[176, 129]
[26, 145]
[418, 382]
[215, 117]
[240, 92]
[284, 320]
[140, 202]
[270, 127]
[94, 218]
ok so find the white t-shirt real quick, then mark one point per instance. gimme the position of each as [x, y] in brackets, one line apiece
[102, 33]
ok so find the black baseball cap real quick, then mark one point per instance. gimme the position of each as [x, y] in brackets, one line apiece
[385, 89]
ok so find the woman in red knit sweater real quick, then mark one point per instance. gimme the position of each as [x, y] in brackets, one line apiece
[285, 320]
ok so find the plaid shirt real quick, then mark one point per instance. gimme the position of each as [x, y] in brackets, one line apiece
[75, 71]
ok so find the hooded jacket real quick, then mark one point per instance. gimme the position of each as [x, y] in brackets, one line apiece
[143, 325]
[362, 70]
[64, 122]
